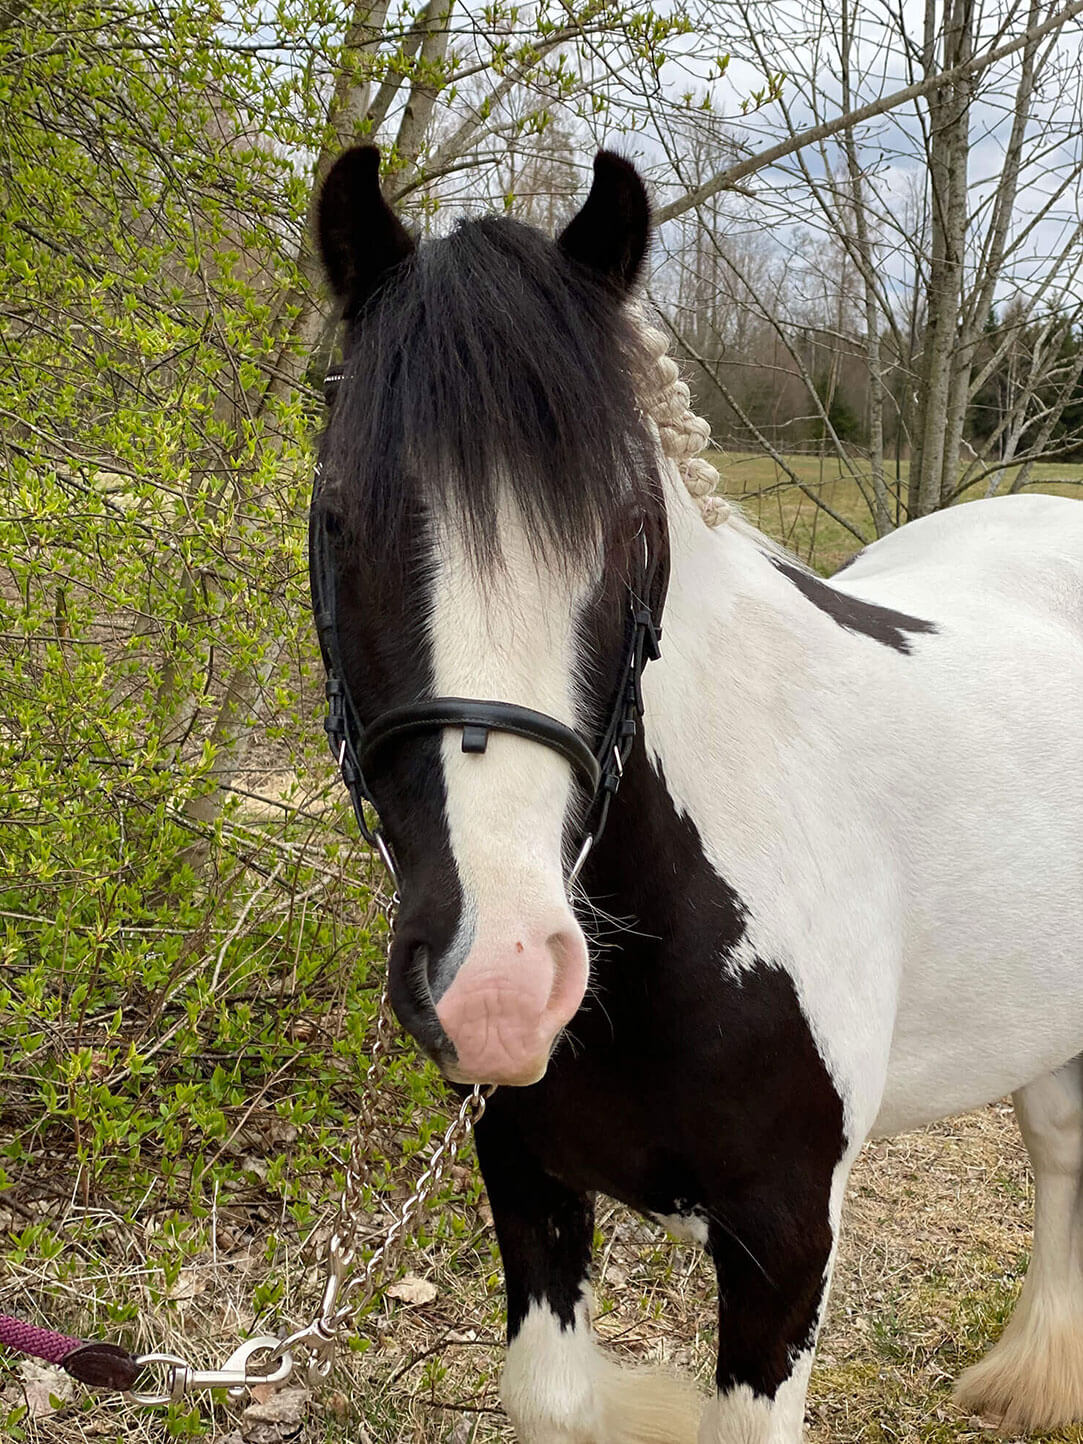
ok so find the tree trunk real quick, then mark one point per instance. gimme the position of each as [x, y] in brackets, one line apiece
[232, 728]
[948, 149]
[882, 519]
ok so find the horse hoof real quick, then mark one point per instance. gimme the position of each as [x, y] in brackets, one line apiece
[1030, 1382]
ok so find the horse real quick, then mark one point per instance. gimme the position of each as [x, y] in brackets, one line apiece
[823, 836]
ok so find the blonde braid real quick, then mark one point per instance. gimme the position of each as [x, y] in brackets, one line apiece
[683, 434]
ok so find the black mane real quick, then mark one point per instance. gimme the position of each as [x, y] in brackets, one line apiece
[491, 357]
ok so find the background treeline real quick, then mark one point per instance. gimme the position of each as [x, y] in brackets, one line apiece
[770, 386]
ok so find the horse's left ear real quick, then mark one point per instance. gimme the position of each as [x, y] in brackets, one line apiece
[610, 234]
[361, 239]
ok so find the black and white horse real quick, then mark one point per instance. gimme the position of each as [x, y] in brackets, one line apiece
[840, 893]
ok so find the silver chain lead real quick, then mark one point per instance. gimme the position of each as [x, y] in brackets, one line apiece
[347, 1288]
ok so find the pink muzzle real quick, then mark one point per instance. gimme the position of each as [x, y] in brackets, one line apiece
[508, 1002]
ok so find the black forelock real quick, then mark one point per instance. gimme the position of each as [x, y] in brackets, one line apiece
[490, 358]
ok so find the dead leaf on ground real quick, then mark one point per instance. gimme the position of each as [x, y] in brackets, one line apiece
[277, 1419]
[39, 1385]
[412, 1290]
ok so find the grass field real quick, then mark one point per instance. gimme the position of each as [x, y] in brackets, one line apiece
[775, 504]
[936, 1238]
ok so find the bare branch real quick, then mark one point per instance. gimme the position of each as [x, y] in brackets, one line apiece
[973, 66]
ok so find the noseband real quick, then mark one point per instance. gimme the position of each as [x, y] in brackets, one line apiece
[600, 768]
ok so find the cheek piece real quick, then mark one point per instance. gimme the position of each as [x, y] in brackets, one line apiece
[599, 768]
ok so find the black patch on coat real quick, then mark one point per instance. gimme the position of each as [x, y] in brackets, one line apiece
[849, 561]
[882, 624]
[678, 1085]
[382, 613]
[545, 1229]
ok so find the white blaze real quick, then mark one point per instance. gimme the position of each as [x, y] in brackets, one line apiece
[508, 636]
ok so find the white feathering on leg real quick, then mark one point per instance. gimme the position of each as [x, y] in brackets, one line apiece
[560, 1388]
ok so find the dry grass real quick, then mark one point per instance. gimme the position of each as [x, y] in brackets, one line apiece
[935, 1243]
[936, 1240]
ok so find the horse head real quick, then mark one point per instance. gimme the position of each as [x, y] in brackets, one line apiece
[491, 503]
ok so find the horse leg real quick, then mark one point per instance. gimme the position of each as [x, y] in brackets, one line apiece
[772, 1286]
[558, 1386]
[1033, 1377]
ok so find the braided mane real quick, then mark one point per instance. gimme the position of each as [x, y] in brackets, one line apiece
[683, 434]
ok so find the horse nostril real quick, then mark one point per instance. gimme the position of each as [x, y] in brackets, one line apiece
[420, 959]
[412, 997]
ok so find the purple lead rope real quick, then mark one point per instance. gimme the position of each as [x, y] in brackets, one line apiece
[103, 1366]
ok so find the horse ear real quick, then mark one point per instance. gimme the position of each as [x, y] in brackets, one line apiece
[360, 237]
[610, 234]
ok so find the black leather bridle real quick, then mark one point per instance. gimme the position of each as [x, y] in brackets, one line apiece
[600, 768]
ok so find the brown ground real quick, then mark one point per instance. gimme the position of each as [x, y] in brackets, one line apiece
[936, 1238]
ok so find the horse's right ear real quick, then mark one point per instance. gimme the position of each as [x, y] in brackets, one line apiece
[360, 237]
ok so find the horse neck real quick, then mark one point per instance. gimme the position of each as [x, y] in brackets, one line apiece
[706, 775]
[746, 672]
[734, 627]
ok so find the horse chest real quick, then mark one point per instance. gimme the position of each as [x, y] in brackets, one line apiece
[679, 1087]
